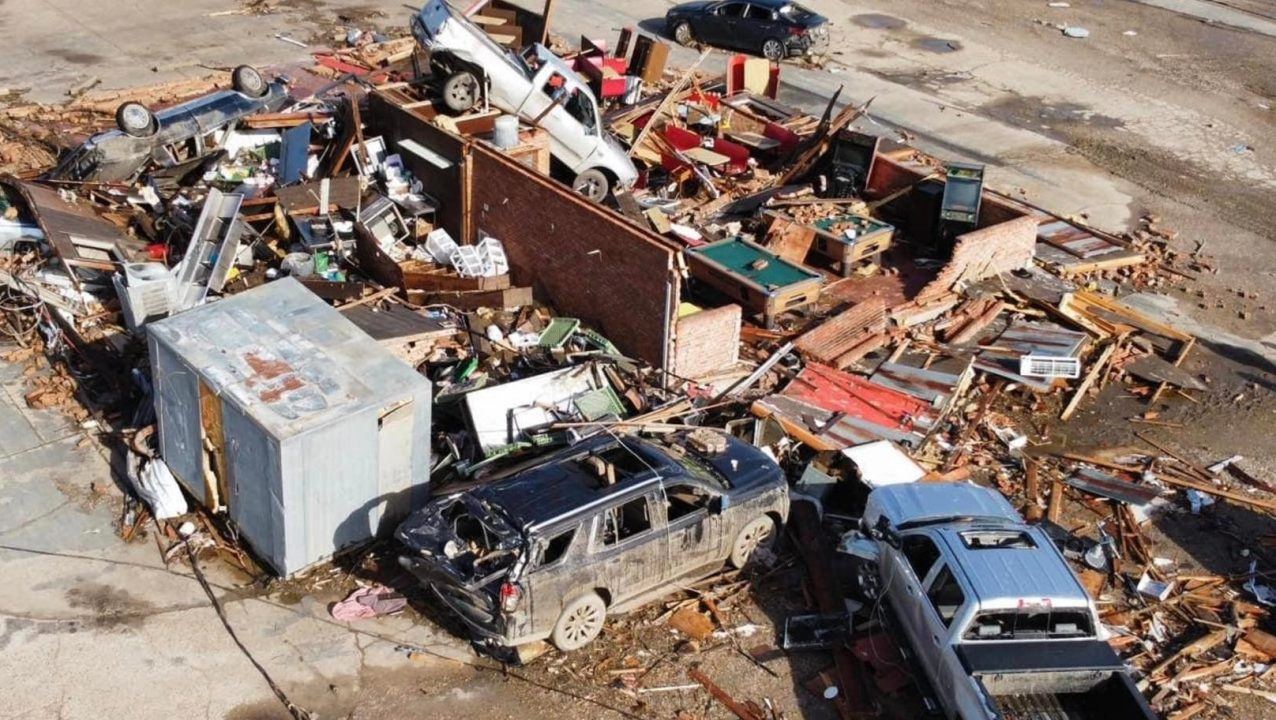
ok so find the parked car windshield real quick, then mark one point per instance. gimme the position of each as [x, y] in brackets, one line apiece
[1030, 624]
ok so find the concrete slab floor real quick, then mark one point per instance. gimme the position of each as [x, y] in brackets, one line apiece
[91, 626]
[124, 43]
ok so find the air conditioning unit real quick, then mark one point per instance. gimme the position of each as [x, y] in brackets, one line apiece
[1049, 366]
[147, 292]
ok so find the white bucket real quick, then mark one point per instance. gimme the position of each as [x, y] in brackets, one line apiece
[505, 134]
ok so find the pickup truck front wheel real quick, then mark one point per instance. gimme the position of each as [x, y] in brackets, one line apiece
[593, 184]
[867, 580]
[461, 92]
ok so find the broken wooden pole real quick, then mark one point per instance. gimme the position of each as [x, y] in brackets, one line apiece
[737, 708]
[1056, 501]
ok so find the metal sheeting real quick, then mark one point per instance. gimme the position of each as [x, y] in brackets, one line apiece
[937, 388]
[1104, 485]
[301, 393]
[1025, 337]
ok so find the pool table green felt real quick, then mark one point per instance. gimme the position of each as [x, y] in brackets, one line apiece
[738, 257]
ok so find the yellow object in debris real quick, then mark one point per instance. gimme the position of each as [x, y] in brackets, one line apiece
[686, 308]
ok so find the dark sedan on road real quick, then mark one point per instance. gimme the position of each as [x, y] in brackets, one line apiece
[775, 29]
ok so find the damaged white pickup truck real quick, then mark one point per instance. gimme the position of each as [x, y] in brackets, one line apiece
[996, 620]
[536, 85]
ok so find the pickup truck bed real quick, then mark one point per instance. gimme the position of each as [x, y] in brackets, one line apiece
[1054, 680]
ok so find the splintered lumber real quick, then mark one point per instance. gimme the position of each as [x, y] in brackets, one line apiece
[737, 708]
[1095, 371]
[820, 143]
[1055, 509]
[687, 75]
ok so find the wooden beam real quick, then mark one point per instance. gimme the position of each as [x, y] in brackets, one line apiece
[1084, 387]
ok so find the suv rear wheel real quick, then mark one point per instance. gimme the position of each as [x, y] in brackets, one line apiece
[759, 532]
[580, 622]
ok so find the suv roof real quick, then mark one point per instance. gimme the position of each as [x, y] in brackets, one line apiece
[563, 484]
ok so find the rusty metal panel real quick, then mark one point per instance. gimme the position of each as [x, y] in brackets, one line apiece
[1108, 486]
[1074, 240]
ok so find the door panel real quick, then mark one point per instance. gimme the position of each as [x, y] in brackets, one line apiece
[631, 547]
[695, 533]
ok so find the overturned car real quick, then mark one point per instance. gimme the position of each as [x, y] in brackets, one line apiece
[598, 528]
[172, 136]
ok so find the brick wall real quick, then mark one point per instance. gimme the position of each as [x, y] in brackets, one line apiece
[585, 260]
[983, 253]
[707, 341]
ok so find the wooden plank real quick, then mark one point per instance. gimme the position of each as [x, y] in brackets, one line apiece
[1090, 378]
[1055, 508]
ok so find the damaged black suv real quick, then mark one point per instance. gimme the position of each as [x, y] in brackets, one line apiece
[598, 528]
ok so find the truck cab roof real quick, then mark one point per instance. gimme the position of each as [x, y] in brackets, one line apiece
[1011, 565]
[916, 504]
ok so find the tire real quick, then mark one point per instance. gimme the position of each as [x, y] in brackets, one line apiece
[759, 532]
[247, 80]
[868, 583]
[593, 184]
[682, 33]
[580, 622]
[773, 50]
[461, 92]
[134, 118]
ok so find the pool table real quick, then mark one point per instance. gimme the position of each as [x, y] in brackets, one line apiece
[871, 238]
[761, 281]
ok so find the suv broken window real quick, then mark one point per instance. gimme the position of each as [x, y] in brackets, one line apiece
[555, 548]
[683, 500]
[613, 465]
[623, 522]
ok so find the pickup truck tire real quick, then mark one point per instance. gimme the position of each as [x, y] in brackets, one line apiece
[593, 184]
[682, 33]
[758, 532]
[134, 118]
[773, 49]
[461, 91]
[580, 622]
[247, 80]
[868, 583]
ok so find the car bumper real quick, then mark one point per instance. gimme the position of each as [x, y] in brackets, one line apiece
[809, 44]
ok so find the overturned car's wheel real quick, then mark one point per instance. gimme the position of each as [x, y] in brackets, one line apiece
[581, 622]
[760, 532]
[461, 92]
[135, 119]
[247, 80]
[682, 33]
[593, 184]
